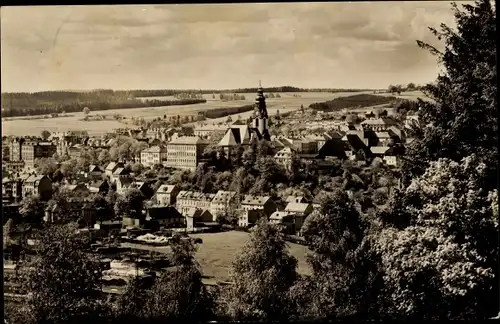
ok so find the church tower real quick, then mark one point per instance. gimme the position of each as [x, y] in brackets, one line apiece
[260, 114]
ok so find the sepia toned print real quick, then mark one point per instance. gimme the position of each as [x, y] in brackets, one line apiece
[252, 161]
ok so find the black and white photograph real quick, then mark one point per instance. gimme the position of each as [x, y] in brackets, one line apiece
[263, 162]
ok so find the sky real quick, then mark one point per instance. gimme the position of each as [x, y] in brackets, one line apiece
[219, 46]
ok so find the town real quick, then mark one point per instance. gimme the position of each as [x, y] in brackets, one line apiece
[266, 203]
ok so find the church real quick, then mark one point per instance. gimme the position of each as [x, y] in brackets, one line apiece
[249, 134]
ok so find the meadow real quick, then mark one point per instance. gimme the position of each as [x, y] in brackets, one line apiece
[218, 251]
[17, 126]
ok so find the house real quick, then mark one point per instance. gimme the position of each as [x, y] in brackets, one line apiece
[262, 203]
[295, 199]
[95, 172]
[302, 209]
[299, 211]
[38, 185]
[111, 168]
[379, 124]
[194, 216]
[286, 220]
[193, 199]
[379, 151]
[11, 190]
[167, 194]
[221, 202]
[209, 130]
[154, 155]
[335, 148]
[248, 217]
[284, 157]
[122, 185]
[100, 186]
[393, 155]
[184, 152]
[164, 216]
[143, 187]
[78, 189]
[119, 173]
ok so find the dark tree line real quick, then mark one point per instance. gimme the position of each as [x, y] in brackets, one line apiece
[55, 102]
[361, 100]
[223, 112]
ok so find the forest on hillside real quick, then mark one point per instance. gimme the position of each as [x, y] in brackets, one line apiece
[359, 101]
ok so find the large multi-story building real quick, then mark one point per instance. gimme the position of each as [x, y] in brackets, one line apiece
[193, 199]
[221, 202]
[184, 152]
[28, 150]
[154, 155]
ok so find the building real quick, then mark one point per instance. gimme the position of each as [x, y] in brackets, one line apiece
[184, 152]
[11, 190]
[111, 168]
[221, 202]
[286, 220]
[194, 216]
[122, 185]
[193, 199]
[37, 185]
[284, 157]
[245, 135]
[248, 217]
[28, 150]
[164, 216]
[261, 203]
[295, 199]
[95, 172]
[119, 173]
[206, 130]
[99, 186]
[143, 187]
[154, 155]
[379, 124]
[166, 195]
[78, 189]
[13, 166]
[299, 211]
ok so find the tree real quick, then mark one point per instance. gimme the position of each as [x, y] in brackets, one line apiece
[45, 134]
[345, 272]
[86, 110]
[104, 157]
[46, 166]
[32, 209]
[443, 232]
[130, 204]
[63, 280]
[180, 294]
[462, 117]
[411, 87]
[263, 274]
[8, 228]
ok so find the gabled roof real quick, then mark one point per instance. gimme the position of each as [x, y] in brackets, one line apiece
[290, 199]
[187, 140]
[296, 207]
[34, 178]
[111, 166]
[195, 195]
[165, 188]
[94, 168]
[280, 215]
[125, 181]
[379, 149]
[193, 212]
[255, 200]
[231, 138]
[334, 147]
[223, 196]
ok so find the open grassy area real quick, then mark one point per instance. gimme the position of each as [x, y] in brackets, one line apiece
[287, 102]
[218, 251]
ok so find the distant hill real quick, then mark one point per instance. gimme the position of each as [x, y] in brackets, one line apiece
[354, 101]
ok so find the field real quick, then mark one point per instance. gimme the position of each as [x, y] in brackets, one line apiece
[218, 251]
[287, 102]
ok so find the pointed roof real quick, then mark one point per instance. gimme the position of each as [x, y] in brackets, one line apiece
[229, 139]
